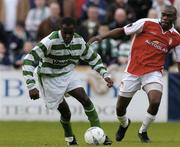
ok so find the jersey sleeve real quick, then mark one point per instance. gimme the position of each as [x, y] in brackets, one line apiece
[32, 59]
[94, 60]
[177, 53]
[135, 27]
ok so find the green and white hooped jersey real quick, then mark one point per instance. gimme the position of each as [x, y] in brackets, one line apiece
[55, 58]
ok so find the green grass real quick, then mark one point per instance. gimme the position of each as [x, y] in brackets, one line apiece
[50, 134]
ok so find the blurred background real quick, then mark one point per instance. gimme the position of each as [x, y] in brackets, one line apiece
[25, 22]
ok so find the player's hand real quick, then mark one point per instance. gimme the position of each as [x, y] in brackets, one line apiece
[109, 81]
[97, 38]
[34, 94]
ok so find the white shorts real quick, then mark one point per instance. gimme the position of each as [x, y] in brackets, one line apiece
[131, 83]
[53, 88]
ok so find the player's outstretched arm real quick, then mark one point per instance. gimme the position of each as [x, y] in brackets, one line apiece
[111, 34]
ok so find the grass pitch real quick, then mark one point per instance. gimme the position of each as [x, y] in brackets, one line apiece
[50, 134]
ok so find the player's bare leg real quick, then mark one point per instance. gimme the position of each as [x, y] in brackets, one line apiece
[81, 96]
[88, 106]
[63, 108]
[121, 106]
[154, 102]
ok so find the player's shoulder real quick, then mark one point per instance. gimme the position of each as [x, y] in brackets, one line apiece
[150, 20]
[51, 38]
[78, 38]
[144, 21]
[53, 35]
[76, 35]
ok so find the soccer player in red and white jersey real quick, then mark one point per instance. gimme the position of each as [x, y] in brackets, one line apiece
[152, 41]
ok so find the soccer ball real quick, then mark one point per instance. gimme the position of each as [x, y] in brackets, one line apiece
[94, 135]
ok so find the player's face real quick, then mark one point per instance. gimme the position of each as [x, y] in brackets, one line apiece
[168, 17]
[67, 33]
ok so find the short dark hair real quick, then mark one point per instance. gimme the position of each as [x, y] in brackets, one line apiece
[172, 8]
[68, 21]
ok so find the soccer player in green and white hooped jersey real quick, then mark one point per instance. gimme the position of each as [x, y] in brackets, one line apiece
[58, 55]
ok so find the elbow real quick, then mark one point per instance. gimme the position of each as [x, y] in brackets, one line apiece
[119, 32]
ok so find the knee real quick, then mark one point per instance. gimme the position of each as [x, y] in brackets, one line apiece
[154, 98]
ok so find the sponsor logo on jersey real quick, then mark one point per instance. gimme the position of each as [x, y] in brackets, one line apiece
[158, 45]
[60, 62]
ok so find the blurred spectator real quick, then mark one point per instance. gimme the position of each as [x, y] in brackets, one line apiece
[141, 7]
[124, 50]
[78, 8]
[61, 5]
[152, 13]
[4, 59]
[35, 17]
[123, 42]
[109, 2]
[107, 48]
[177, 5]
[159, 5]
[120, 19]
[52, 23]
[60, 2]
[23, 7]
[16, 40]
[18, 61]
[12, 11]
[69, 8]
[3, 36]
[32, 4]
[172, 1]
[102, 8]
[82, 30]
[131, 16]
[92, 23]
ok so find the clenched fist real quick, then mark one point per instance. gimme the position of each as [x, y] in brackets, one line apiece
[34, 94]
[109, 82]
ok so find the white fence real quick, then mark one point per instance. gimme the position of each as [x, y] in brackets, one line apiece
[16, 105]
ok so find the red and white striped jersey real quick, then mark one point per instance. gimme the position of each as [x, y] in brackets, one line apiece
[150, 46]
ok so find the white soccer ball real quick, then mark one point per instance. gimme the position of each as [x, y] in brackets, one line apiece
[94, 135]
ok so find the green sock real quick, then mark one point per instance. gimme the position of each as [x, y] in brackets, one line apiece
[67, 128]
[92, 115]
